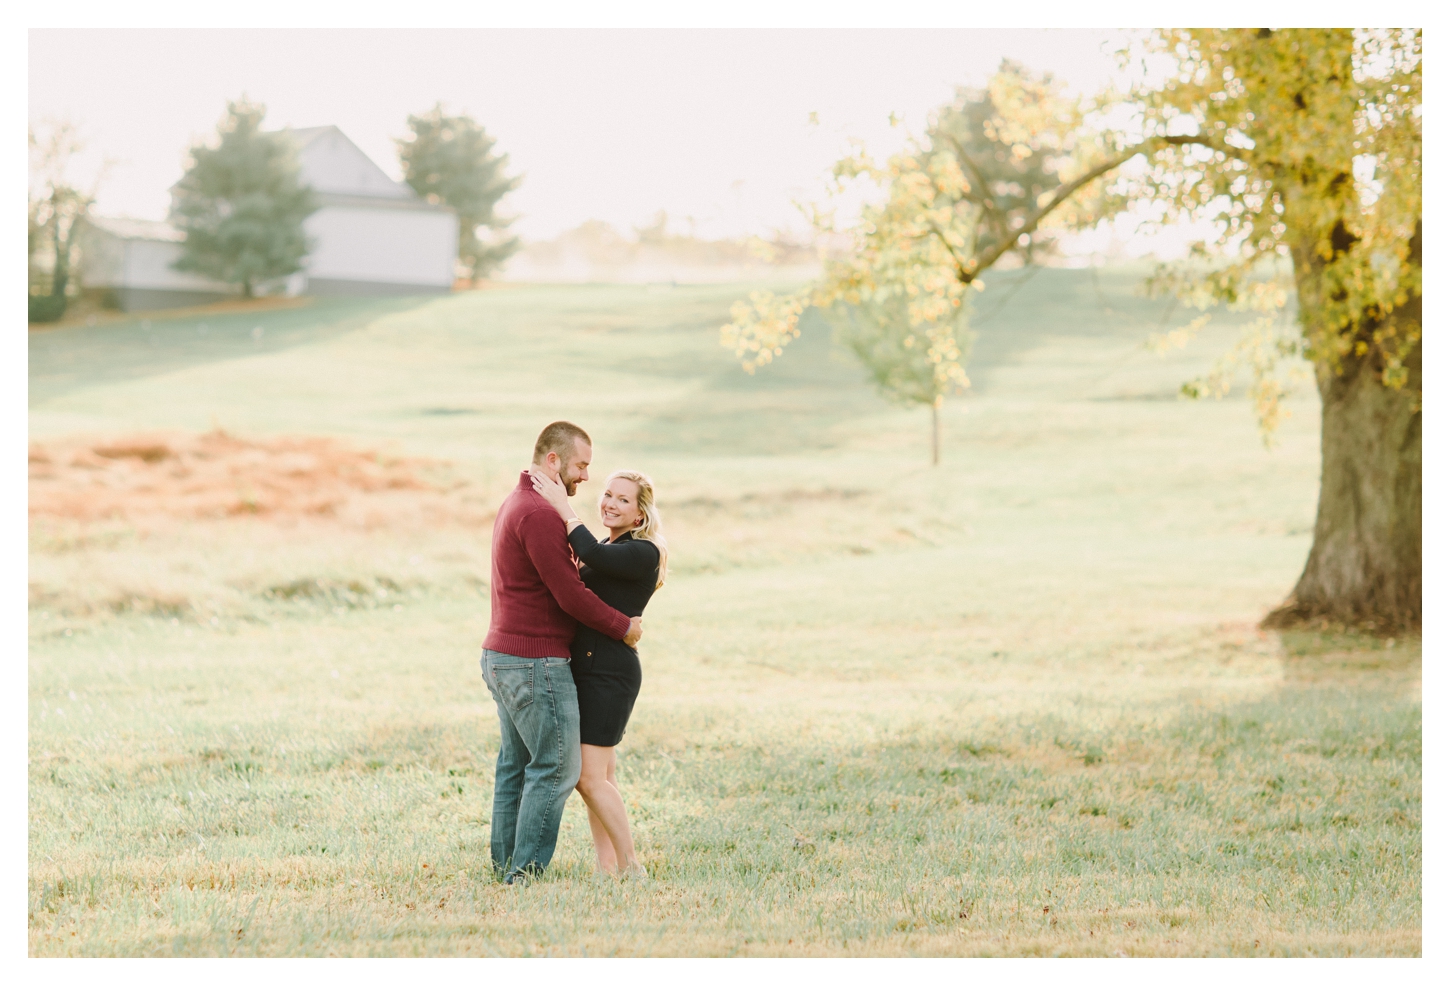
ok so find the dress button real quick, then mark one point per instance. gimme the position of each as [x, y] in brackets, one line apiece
[589, 653]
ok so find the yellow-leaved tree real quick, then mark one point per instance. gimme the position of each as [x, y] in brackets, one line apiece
[1303, 146]
[1311, 157]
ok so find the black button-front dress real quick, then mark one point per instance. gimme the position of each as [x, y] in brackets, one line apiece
[606, 671]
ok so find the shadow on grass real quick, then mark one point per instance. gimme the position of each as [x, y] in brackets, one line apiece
[788, 406]
[1320, 655]
[78, 358]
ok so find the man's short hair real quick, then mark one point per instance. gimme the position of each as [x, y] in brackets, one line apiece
[559, 438]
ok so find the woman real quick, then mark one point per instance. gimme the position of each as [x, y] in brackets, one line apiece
[624, 570]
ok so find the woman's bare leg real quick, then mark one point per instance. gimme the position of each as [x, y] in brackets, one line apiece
[634, 869]
[603, 848]
[596, 787]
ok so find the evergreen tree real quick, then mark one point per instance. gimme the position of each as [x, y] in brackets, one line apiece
[450, 160]
[241, 204]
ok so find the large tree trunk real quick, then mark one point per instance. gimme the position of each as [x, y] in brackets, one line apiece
[1364, 566]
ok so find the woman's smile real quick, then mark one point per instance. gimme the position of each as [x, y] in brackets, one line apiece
[619, 506]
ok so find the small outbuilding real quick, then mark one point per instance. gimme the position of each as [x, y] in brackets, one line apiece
[371, 236]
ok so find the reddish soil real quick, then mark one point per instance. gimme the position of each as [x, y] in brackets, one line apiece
[218, 476]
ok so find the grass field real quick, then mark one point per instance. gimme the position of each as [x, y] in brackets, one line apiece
[1013, 705]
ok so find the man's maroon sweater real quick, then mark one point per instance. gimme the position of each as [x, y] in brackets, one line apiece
[537, 593]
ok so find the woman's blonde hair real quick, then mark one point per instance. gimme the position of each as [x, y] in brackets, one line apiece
[650, 529]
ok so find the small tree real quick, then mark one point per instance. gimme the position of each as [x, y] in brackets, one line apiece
[241, 204]
[450, 160]
[913, 365]
[996, 163]
[56, 210]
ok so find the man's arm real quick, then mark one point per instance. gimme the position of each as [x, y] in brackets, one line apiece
[542, 533]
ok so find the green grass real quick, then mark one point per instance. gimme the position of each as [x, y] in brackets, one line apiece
[1014, 705]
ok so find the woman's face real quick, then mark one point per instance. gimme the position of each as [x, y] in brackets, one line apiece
[619, 506]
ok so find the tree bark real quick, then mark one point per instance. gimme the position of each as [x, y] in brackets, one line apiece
[1364, 566]
[60, 271]
[935, 435]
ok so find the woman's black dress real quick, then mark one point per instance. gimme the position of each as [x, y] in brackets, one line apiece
[606, 671]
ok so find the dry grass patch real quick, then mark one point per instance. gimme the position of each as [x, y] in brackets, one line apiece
[295, 520]
[151, 479]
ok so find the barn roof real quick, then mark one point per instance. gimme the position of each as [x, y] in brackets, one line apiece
[333, 165]
[341, 174]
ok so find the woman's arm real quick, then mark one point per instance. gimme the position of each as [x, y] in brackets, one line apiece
[628, 559]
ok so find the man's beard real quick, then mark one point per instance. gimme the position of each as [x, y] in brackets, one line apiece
[568, 486]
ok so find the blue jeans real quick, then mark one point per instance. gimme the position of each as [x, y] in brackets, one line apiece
[538, 757]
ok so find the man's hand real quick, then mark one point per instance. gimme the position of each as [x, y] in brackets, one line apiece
[555, 494]
[636, 630]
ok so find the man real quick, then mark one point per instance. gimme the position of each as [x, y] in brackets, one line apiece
[537, 598]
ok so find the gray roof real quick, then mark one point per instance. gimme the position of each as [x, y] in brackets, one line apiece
[337, 170]
[333, 165]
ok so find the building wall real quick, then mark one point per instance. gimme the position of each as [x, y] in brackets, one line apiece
[148, 265]
[402, 247]
[135, 275]
[103, 259]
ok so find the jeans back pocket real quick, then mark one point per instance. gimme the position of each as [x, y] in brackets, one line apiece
[513, 685]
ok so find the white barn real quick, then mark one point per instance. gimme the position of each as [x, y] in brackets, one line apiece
[370, 234]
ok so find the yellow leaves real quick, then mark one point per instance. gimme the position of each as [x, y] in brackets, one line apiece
[1031, 113]
[1162, 342]
[759, 329]
[1269, 348]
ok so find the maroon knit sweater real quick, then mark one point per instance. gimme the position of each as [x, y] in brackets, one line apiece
[537, 594]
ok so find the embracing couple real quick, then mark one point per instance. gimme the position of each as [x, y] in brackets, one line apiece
[559, 658]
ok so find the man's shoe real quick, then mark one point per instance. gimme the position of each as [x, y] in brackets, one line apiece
[521, 877]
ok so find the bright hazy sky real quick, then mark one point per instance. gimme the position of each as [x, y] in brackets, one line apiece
[611, 125]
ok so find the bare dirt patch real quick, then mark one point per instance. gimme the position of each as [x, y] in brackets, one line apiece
[149, 479]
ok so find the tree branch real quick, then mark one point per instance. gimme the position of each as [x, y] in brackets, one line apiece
[962, 268]
[981, 262]
[989, 204]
